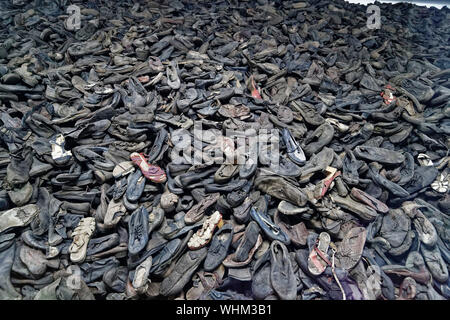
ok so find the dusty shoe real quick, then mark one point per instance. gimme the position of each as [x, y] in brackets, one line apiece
[281, 272]
[59, 155]
[182, 272]
[203, 236]
[363, 211]
[140, 280]
[150, 171]
[18, 217]
[295, 153]
[198, 210]
[365, 198]
[81, 236]
[122, 169]
[218, 249]
[318, 257]
[350, 249]
[281, 189]
[249, 242]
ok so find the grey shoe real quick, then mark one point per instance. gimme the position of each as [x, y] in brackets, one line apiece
[183, 271]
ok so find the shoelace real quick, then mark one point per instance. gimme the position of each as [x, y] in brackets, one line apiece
[344, 297]
[138, 233]
[275, 228]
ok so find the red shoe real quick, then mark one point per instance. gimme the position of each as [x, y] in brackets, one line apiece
[150, 171]
[255, 92]
[323, 186]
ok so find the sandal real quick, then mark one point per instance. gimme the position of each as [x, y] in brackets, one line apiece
[323, 186]
[150, 171]
[81, 236]
[318, 257]
[203, 236]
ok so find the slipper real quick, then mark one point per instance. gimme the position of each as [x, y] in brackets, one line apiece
[150, 171]
[318, 257]
[203, 236]
[81, 236]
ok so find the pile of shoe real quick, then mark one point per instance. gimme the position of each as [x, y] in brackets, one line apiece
[96, 202]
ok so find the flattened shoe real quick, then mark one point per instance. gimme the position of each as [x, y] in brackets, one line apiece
[140, 280]
[249, 242]
[295, 153]
[18, 217]
[422, 178]
[318, 257]
[287, 208]
[435, 263]
[138, 230]
[198, 210]
[204, 235]
[281, 272]
[225, 173]
[350, 249]
[281, 189]
[367, 199]
[425, 229]
[150, 171]
[261, 283]
[324, 134]
[81, 236]
[360, 209]
[379, 155]
[114, 212]
[122, 169]
[218, 249]
[165, 255]
[318, 162]
[183, 271]
[296, 232]
[135, 186]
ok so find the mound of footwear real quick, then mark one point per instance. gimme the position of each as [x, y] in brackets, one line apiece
[221, 150]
